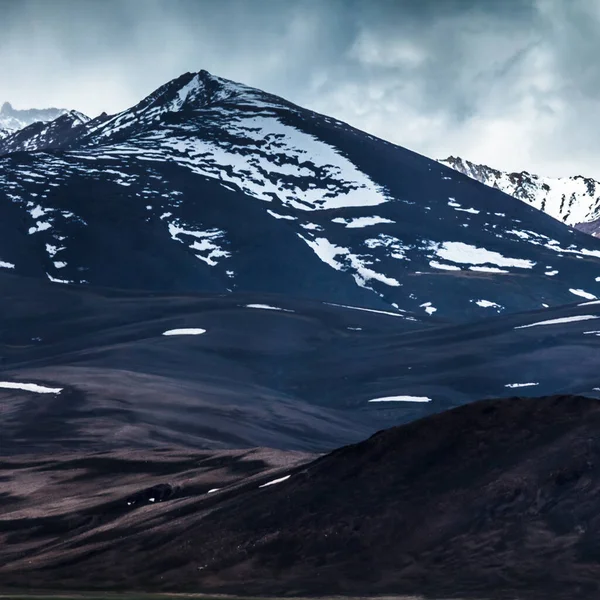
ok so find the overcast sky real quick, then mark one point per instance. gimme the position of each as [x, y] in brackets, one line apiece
[511, 83]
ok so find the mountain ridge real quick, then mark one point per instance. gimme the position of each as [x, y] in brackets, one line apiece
[573, 200]
[12, 119]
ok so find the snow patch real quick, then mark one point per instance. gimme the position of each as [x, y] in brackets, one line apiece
[185, 331]
[402, 399]
[278, 216]
[559, 321]
[520, 385]
[204, 244]
[486, 304]
[268, 307]
[352, 263]
[428, 308]
[442, 266]
[372, 310]
[583, 294]
[29, 387]
[359, 222]
[459, 252]
[275, 481]
[488, 269]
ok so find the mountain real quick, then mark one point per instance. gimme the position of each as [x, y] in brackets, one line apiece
[12, 119]
[572, 200]
[497, 499]
[211, 186]
[44, 135]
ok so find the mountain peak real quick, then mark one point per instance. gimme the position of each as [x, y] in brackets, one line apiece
[6, 109]
[185, 95]
[195, 91]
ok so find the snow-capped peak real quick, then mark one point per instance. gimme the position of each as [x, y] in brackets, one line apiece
[184, 95]
[76, 118]
[572, 200]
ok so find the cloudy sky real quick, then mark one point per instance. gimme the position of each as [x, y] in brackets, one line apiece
[511, 83]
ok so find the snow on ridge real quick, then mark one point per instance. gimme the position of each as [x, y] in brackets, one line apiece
[520, 385]
[57, 280]
[583, 294]
[278, 216]
[482, 269]
[359, 222]
[539, 239]
[472, 211]
[372, 310]
[275, 481]
[352, 263]
[262, 173]
[185, 331]
[443, 267]
[268, 307]
[204, 244]
[29, 387]
[459, 252]
[6, 265]
[560, 320]
[402, 399]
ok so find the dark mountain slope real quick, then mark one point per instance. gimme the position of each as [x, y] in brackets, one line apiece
[268, 370]
[208, 185]
[497, 499]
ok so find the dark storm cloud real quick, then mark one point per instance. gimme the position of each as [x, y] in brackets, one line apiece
[513, 83]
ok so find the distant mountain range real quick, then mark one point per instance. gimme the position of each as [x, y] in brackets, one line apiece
[572, 200]
[44, 135]
[12, 119]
